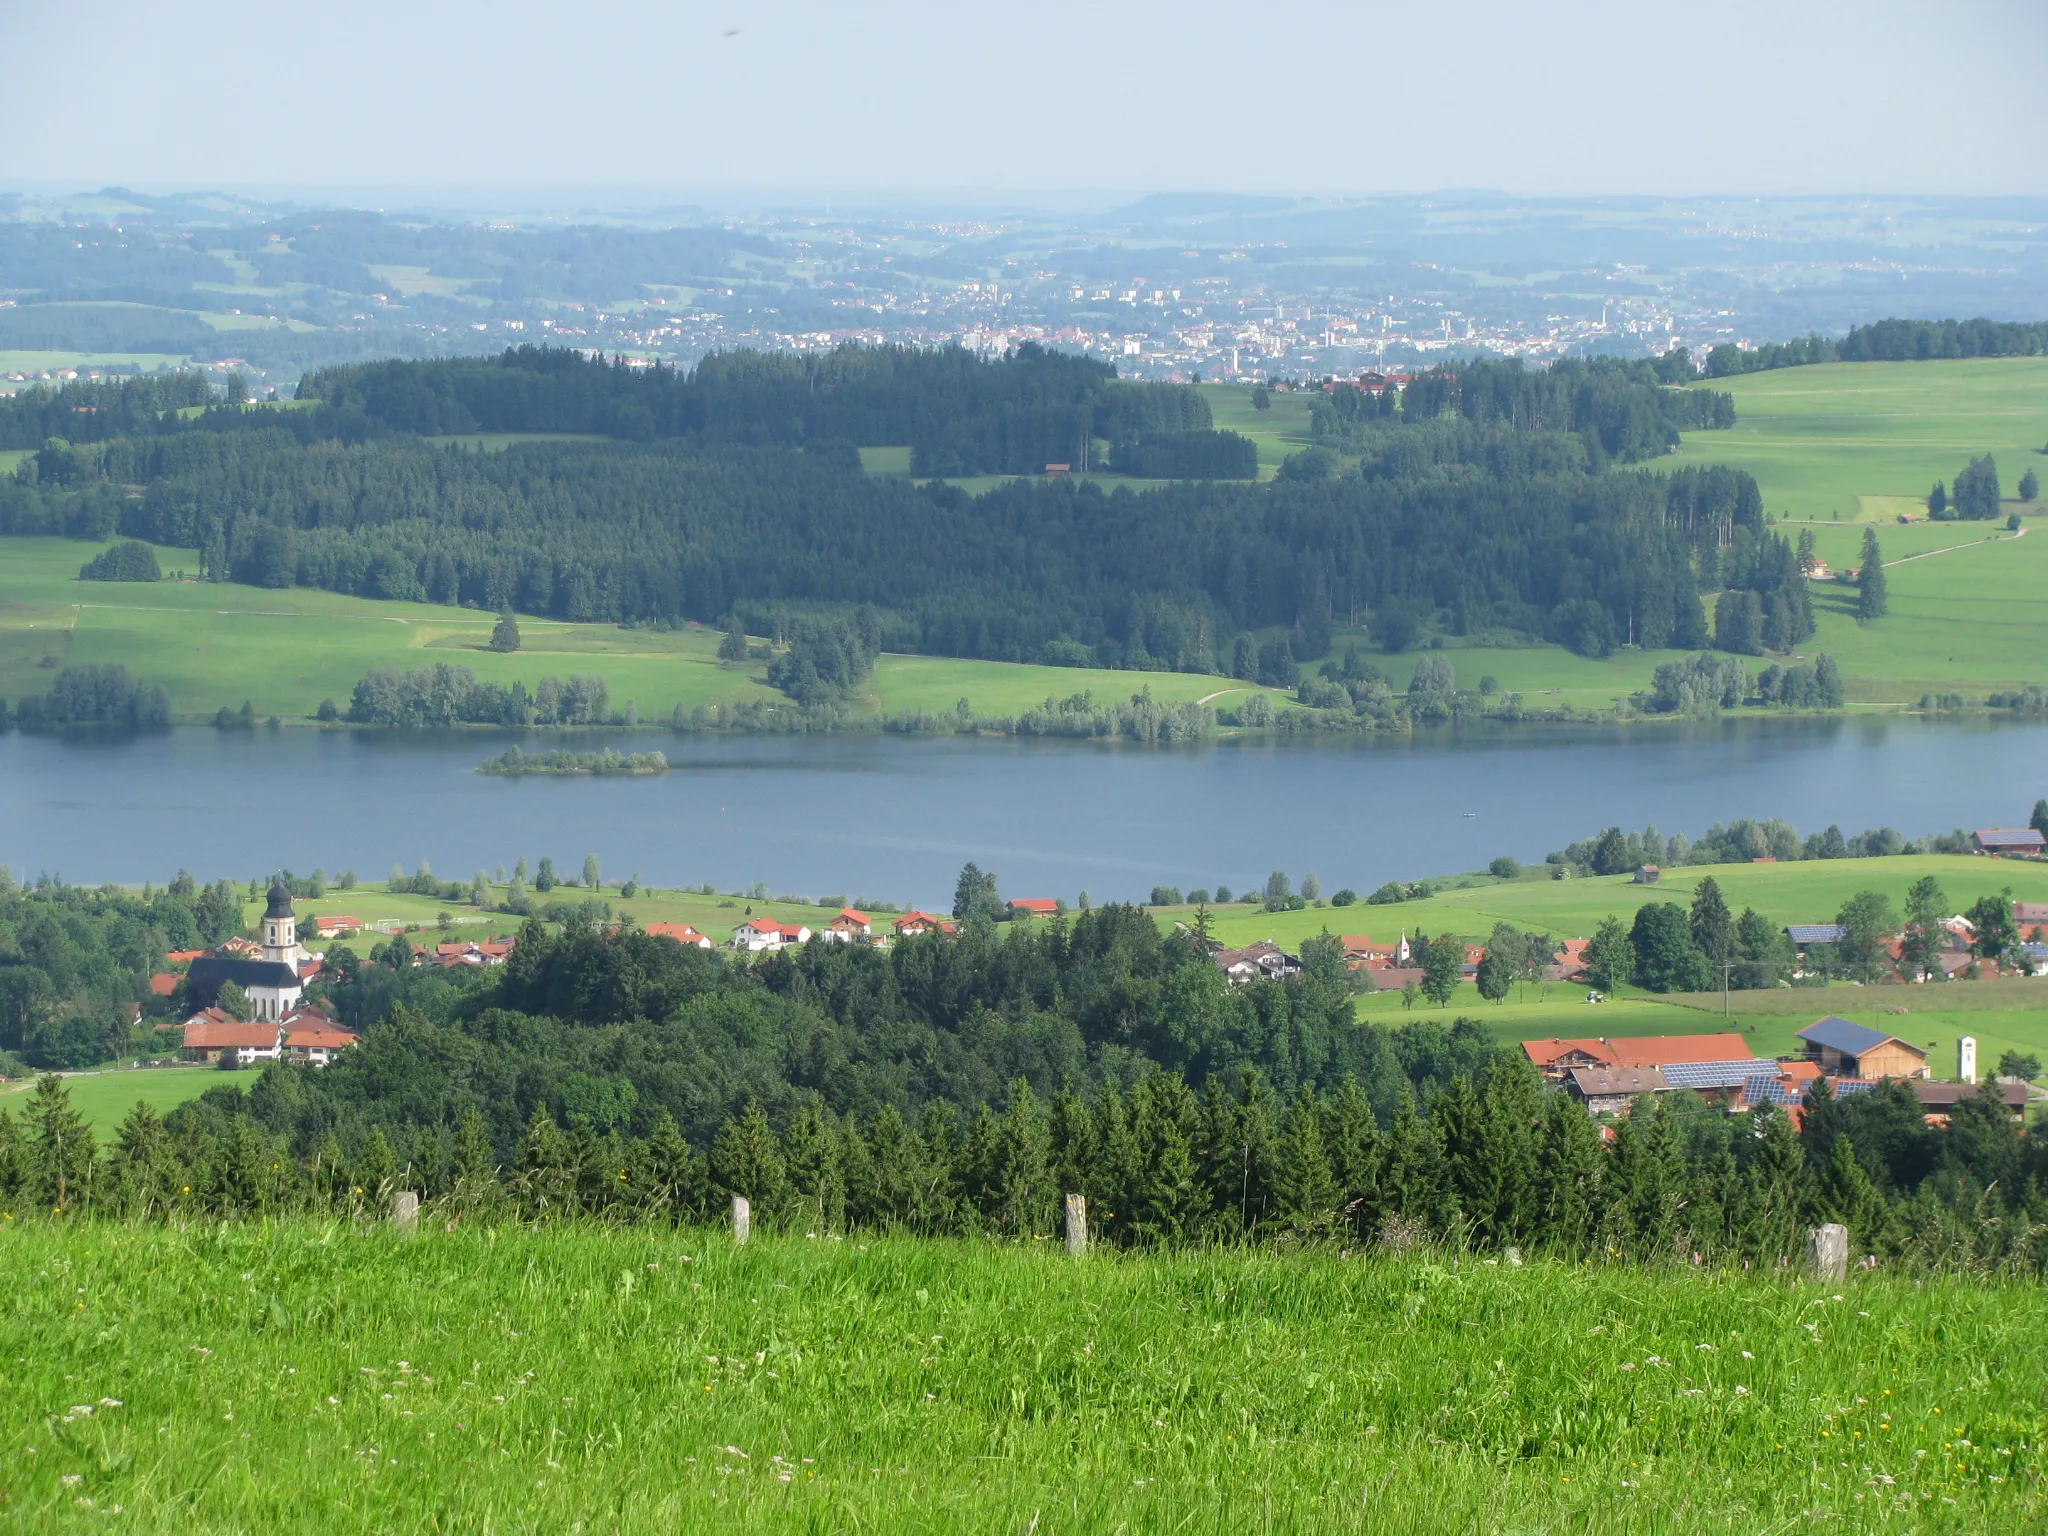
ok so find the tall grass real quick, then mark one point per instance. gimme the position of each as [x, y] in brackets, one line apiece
[308, 1376]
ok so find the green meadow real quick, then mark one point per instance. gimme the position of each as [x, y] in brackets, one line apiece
[318, 1376]
[1280, 430]
[1818, 439]
[106, 1096]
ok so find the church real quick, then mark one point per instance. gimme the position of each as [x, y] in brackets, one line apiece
[274, 982]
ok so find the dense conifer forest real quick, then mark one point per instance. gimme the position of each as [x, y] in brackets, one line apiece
[1484, 499]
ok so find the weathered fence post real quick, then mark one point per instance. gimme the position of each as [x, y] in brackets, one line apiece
[1827, 1251]
[1077, 1224]
[742, 1220]
[405, 1213]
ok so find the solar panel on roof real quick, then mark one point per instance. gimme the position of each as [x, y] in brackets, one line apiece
[1712, 1074]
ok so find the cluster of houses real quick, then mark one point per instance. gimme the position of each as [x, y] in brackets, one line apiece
[851, 926]
[1956, 955]
[1391, 967]
[1609, 1075]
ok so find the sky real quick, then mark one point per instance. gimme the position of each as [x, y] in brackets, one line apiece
[1319, 97]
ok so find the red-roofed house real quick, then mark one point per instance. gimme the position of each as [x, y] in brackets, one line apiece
[759, 933]
[849, 925]
[1665, 1050]
[682, 933]
[1034, 906]
[337, 926]
[911, 924]
[184, 956]
[210, 1034]
[164, 984]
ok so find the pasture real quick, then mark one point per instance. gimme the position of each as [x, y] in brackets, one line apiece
[309, 1376]
[1818, 439]
[106, 1095]
[1278, 431]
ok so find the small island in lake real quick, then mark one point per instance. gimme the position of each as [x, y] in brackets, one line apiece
[605, 764]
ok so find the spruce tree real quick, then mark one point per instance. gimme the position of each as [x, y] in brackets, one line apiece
[1713, 929]
[1845, 1192]
[746, 1159]
[61, 1148]
[1306, 1195]
[474, 1163]
[732, 649]
[141, 1159]
[547, 1171]
[1570, 1163]
[1026, 1199]
[1871, 602]
[505, 633]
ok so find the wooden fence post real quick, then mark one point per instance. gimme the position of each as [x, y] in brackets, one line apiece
[1827, 1251]
[1077, 1224]
[405, 1213]
[742, 1220]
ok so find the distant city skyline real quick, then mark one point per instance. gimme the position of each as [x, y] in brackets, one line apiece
[923, 101]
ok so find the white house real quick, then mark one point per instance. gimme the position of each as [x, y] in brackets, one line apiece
[761, 933]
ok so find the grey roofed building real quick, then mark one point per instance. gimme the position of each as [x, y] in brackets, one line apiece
[216, 971]
[1838, 1034]
[1610, 1090]
[2010, 840]
[1702, 1075]
[1802, 934]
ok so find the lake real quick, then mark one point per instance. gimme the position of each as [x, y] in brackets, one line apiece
[895, 817]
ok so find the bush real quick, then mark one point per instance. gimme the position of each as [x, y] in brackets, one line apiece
[1504, 868]
[1344, 898]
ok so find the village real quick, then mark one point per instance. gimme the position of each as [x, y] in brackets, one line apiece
[246, 1003]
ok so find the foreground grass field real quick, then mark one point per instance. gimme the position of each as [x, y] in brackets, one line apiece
[311, 1377]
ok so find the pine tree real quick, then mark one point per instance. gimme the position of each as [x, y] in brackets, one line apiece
[746, 1159]
[61, 1149]
[547, 1173]
[376, 1170]
[1871, 602]
[1415, 1182]
[141, 1161]
[810, 1155]
[505, 633]
[1026, 1197]
[1570, 1164]
[1845, 1192]
[474, 1162]
[895, 1162]
[1713, 929]
[1355, 1156]
[1306, 1194]
[732, 649]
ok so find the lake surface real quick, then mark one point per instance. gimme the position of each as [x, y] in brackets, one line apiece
[894, 818]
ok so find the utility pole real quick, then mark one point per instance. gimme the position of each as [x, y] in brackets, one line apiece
[1727, 970]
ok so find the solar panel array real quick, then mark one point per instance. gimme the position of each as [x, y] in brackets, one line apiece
[1770, 1089]
[1714, 1074]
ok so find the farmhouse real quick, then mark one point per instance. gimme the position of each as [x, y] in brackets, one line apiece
[911, 924]
[682, 933]
[1939, 1100]
[1610, 1090]
[1034, 906]
[211, 1034]
[336, 926]
[1648, 874]
[2009, 840]
[1556, 1059]
[1843, 1049]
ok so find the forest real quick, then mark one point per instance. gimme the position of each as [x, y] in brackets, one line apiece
[1482, 500]
[962, 1086]
[1887, 341]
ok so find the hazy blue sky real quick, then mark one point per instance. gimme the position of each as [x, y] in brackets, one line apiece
[1571, 96]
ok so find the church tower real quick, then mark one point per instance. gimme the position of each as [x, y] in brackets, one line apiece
[281, 928]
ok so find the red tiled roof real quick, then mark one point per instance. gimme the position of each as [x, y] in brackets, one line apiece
[1544, 1052]
[203, 1033]
[1661, 1050]
[318, 1039]
[682, 933]
[184, 956]
[1037, 906]
[163, 984]
[852, 915]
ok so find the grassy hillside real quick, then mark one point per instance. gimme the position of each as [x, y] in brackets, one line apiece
[1280, 430]
[214, 644]
[313, 1377]
[1818, 439]
[104, 1098]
